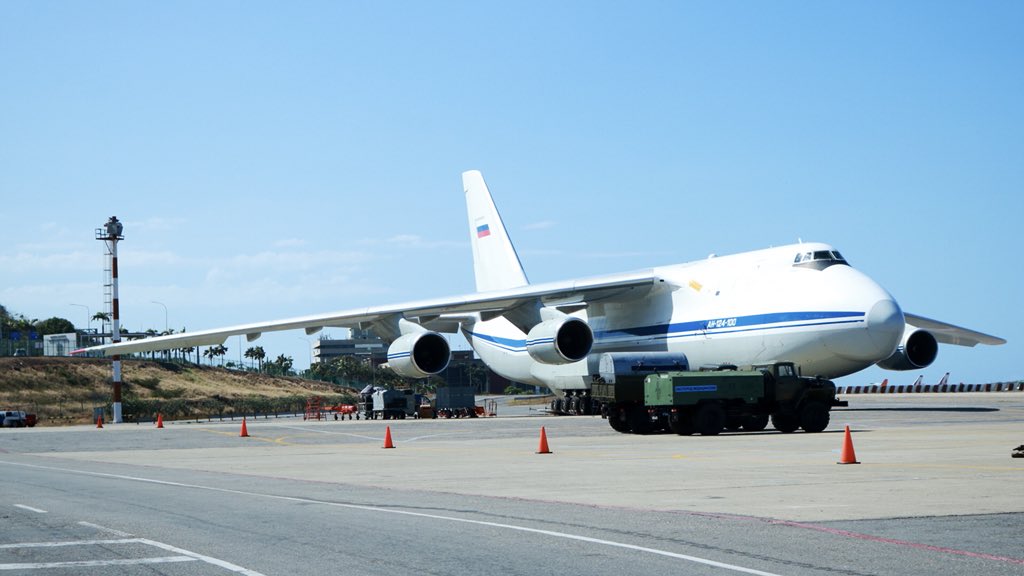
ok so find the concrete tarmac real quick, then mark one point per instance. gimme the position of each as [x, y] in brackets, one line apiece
[920, 456]
[935, 478]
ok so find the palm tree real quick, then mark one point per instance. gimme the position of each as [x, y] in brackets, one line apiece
[250, 353]
[257, 354]
[282, 365]
[220, 350]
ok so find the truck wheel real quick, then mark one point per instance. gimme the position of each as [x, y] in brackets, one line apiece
[640, 420]
[617, 420]
[755, 422]
[814, 416]
[785, 423]
[680, 424]
[709, 419]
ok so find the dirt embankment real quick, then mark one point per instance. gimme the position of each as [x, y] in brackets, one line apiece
[65, 390]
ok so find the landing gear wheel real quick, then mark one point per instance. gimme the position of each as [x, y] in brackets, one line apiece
[709, 419]
[755, 422]
[814, 416]
[785, 423]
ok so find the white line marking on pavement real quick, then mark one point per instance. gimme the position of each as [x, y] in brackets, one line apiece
[184, 555]
[207, 559]
[30, 509]
[364, 437]
[332, 432]
[105, 529]
[86, 563]
[62, 544]
[564, 535]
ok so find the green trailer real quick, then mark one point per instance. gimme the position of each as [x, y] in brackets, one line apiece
[708, 402]
[689, 388]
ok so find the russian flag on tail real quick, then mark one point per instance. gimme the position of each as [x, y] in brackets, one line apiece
[483, 231]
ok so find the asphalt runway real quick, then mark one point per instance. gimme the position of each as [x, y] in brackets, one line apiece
[936, 493]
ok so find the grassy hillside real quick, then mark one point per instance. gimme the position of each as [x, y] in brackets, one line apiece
[65, 390]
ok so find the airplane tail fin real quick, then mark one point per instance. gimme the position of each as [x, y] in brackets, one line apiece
[919, 380]
[495, 261]
[944, 381]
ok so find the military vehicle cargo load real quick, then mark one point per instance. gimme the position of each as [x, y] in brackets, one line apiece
[386, 403]
[615, 367]
[709, 402]
[455, 402]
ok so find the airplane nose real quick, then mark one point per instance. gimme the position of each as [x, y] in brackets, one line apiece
[885, 327]
[877, 340]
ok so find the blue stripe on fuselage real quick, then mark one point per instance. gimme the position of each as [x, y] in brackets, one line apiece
[700, 327]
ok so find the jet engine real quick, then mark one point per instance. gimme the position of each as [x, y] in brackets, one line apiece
[419, 354]
[917, 350]
[560, 340]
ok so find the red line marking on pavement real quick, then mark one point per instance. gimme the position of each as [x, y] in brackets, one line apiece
[870, 538]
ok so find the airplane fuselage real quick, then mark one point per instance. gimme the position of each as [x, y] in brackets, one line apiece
[745, 309]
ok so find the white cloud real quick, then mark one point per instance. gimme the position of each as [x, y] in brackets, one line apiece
[412, 241]
[29, 262]
[542, 225]
[155, 224]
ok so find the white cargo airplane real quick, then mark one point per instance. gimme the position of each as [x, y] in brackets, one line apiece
[801, 303]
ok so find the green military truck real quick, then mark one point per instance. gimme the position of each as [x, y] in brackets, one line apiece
[708, 402]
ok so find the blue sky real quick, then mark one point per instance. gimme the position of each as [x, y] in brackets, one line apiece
[278, 159]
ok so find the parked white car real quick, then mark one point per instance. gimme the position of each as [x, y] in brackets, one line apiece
[12, 419]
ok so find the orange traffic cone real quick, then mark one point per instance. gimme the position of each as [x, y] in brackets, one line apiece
[387, 438]
[847, 456]
[543, 448]
[159, 420]
[245, 431]
[99, 421]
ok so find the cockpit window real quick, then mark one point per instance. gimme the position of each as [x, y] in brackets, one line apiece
[819, 259]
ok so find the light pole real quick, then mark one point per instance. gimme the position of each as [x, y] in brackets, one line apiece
[310, 344]
[165, 312]
[88, 316]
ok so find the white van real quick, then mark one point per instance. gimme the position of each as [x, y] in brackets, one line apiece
[12, 419]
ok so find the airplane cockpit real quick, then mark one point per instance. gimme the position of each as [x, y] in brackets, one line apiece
[819, 259]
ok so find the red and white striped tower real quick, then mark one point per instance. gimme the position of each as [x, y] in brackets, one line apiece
[111, 234]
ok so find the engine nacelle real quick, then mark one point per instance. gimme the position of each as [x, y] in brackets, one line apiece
[560, 341]
[419, 354]
[917, 350]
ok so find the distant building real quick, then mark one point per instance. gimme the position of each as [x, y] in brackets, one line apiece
[361, 343]
[60, 344]
[460, 369]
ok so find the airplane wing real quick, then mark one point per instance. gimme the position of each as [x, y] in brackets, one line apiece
[950, 334]
[444, 313]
